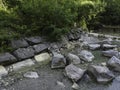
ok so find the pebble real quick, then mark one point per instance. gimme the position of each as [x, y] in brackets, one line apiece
[30, 74]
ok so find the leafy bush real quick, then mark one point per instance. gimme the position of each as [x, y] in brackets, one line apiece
[50, 17]
[111, 15]
[36, 15]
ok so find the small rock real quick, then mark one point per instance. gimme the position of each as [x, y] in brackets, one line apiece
[54, 46]
[58, 61]
[3, 71]
[19, 43]
[117, 78]
[74, 59]
[34, 40]
[93, 46]
[61, 84]
[74, 34]
[33, 75]
[114, 63]
[74, 72]
[40, 48]
[75, 86]
[103, 63]
[86, 56]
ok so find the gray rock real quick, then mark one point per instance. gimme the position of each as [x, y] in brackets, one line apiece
[100, 73]
[21, 65]
[110, 53]
[34, 40]
[106, 41]
[7, 58]
[32, 75]
[40, 48]
[90, 39]
[74, 59]
[75, 86]
[54, 47]
[58, 61]
[74, 34]
[114, 63]
[108, 46]
[3, 71]
[19, 43]
[103, 64]
[117, 79]
[86, 56]
[43, 58]
[24, 53]
[94, 46]
[61, 84]
[118, 55]
[74, 73]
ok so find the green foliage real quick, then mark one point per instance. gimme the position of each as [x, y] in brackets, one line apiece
[88, 10]
[50, 17]
[111, 15]
[36, 15]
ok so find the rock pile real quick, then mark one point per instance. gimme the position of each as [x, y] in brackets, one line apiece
[31, 50]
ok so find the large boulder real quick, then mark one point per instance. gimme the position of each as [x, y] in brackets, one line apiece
[19, 43]
[86, 56]
[74, 59]
[40, 48]
[110, 53]
[58, 61]
[7, 58]
[34, 40]
[114, 63]
[93, 46]
[24, 53]
[74, 73]
[100, 73]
